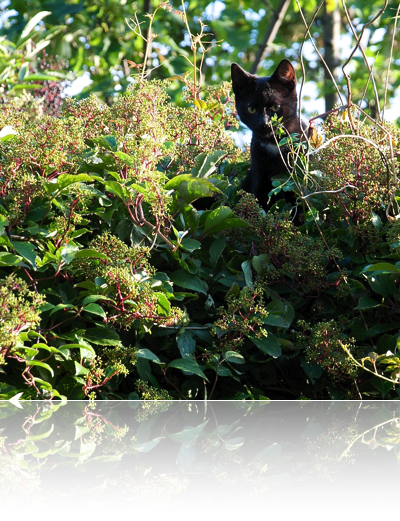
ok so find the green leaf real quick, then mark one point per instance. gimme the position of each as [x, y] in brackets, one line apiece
[383, 267]
[367, 303]
[65, 180]
[68, 253]
[36, 50]
[376, 221]
[383, 284]
[102, 336]
[136, 188]
[248, 276]
[216, 249]
[87, 284]
[148, 355]
[378, 329]
[95, 309]
[188, 281]
[29, 27]
[187, 366]
[190, 244]
[27, 250]
[39, 77]
[188, 434]
[206, 164]
[107, 142]
[213, 105]
[262, 264]
[94, 298]
[48, 258]
[312, 369]
[176, 77]
[7, 133]
[186, 343]
[269, 344]
[164, 305]
[9, 259]
[233, 291]
[30, 352]
[274, 320]
[42, 383]
[125, 158]
[3, 224]
[235, 358]
[283, 308]
[357, 289]
[61, 307]
[382, 385]
[23, 86]
[217, 217]
[200, 104]
[41, 364]
[82, 347]
[79, 233]
[50, 349]
[90, 253]
[346, 236]
[220, 219]
[117, 189]
[79, 369]
[174, 183]
[195, 188]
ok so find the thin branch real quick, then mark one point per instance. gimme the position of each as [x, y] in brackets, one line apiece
[359, 46]
[365, 93]
[390, 61]
[316, 50]
[273, 28]
[331, 38]
[328, 191]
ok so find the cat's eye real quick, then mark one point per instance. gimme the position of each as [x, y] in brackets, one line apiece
[252, 110]
[275, 107]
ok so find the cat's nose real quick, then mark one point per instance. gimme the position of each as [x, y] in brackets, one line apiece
[265, 121]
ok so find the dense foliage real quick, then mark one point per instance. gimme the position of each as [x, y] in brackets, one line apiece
[133, 266]
[115, 283]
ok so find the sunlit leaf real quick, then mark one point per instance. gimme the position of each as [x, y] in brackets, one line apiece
[187, 366]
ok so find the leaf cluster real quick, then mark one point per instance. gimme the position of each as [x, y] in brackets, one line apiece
[134, 267]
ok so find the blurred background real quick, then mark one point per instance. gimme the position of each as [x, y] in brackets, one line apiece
[95, 45]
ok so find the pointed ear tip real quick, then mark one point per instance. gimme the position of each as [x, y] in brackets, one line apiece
[288, 62]
[286, 69]
[236, 71]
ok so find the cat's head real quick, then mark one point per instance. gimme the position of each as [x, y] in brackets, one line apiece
[259, 98]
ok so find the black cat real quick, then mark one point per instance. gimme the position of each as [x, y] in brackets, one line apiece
[258, 99]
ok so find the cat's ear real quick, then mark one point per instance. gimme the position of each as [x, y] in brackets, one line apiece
[241, 80]
[284, 73]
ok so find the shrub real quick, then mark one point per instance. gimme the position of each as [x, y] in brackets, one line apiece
[116, 285]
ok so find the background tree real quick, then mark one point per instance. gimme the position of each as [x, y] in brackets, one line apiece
[95, 39]
[331, 31]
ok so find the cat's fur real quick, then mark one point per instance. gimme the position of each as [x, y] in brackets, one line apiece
[266, 96]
